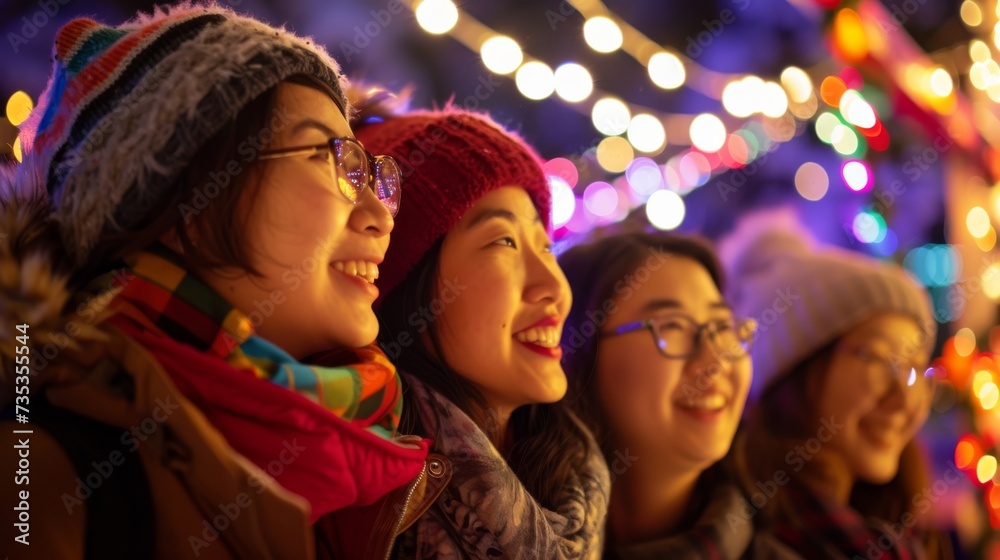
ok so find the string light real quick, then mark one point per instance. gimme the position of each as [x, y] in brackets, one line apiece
[797, 84]
[646, 133]
[535, 80]
[708, 134]
[573, 83]
[610, 116]
[501, 54]
[665, 210]
[436, 16]
[602, 34]
[666, 70]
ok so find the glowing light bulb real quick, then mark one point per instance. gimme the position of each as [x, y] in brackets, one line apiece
[602, 34]
[501, 55]
[436, 16]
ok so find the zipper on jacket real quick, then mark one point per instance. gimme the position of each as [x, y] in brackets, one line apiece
[406, 506]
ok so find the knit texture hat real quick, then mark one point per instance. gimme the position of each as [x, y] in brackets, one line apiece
[805, 296]
[449, 159]
[127, 107]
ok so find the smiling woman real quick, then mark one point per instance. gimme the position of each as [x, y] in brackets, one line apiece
[843, 388]
[203, 233]
[473, 285]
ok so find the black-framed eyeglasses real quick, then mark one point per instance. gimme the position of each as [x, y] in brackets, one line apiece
[678, 336]
[353, 169]
[909, 376]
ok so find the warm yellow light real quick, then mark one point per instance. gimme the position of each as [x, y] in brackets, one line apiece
[614, 153]
[797, 84]
[986, 469]
[17, 149]
[971, 14]
[977, 221]
[965, 342]
[436, 16]
[988, 395]
[602, 34]
[646, 133]
[849, 35]
[501, 54]
[987, 242]
[19, 106]
[979, 51]
[940, 82]
[666, 70]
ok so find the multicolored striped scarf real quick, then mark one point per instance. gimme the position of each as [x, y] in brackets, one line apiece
[163, 296]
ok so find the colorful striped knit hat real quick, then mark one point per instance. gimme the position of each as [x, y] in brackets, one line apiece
[127, 107]
[449, 160]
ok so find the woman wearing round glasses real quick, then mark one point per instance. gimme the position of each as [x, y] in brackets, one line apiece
[658, 366]
[193, 221]
[843, 386]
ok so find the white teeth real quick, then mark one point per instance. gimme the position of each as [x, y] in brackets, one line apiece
[546, 337]
[708, 402]
[366, 270]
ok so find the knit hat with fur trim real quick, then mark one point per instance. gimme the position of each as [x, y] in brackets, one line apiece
[449, 160]
[127, 107]
[805, 296]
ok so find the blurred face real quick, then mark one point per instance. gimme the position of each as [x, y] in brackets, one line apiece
[876, 389]
[316, 251]
[683, 412]
[503, 300]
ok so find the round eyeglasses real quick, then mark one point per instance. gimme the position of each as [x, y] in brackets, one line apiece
[678, 336]
[889, 370]
[353, 169]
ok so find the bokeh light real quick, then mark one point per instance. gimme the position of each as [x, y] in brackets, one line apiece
[501, 55]
[869, 227]
[646, 133]
[610, 116]
[19, 106]
[797, 84]
[708, 134]
[600, 198]
[971, 14]
[965, 342]
[573, 82]
[535, 80]
[614, 153]
[436, 16]
[666, 70]
[602, 34]
[812, 181]
[563, 201]
[665, 210]
[856, 175]
[773, 100]
[986, 468]
[978, 221]
[644, 177]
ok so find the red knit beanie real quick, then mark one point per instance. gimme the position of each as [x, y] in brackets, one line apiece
[449, 160]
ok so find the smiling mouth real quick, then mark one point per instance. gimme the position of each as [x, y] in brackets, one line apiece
[546, 337]
[365, 270]
[715, 402]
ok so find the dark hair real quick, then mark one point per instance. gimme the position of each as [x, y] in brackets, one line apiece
[212, 235]
[596, 272]
[785, 416]
[539, 430]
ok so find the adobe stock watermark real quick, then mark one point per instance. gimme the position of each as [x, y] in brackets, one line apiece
[734, 180]
[696, 44]
[248, 150]
[796, 460]
[422, 318]
[32, 24]
[230, 511]
[623, 290]
[923, 501]
[87, 312]
[104, 469]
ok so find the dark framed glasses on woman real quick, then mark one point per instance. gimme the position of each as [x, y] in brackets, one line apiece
[353, 169]
[678, 336]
